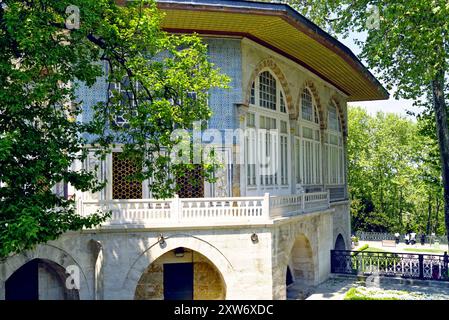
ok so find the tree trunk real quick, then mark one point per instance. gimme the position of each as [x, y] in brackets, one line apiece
[440, 108]
[437, 216]
[429, 208]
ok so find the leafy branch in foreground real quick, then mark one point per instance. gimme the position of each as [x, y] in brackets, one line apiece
[42, 62]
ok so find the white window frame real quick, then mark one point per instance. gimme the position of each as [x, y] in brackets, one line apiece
[335, 150]
[310, 155]
[280, 141]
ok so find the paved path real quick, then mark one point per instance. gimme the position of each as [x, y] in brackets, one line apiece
[336, 287]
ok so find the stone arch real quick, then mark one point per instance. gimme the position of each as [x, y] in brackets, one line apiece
[343, 122]
[270, 64]
[45, 280]
[316, 97]
[45, 252]
[302, 260]
[207, 281]
[196, 244]
[300, 257]
[289, 278]
[340, 243]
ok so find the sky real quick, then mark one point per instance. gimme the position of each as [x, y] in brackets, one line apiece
[392, 105]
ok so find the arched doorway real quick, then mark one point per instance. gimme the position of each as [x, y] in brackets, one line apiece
[340, 243]
[181, 274]
[39, 279]
[289, 277]
[300, 274]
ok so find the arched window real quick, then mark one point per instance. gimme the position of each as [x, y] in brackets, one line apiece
[266, 137]
[334, 147]
[267, 91]
[309, 111]
[308, 143]
[334, 118]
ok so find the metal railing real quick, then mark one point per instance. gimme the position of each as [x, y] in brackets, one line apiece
[404, 265]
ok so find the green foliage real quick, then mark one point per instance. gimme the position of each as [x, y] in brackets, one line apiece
[392, 183]
[41, 63]
[167, 79]
[371, 249]
[363, 248]
[361, 293]
[39, 140]
[407, 46]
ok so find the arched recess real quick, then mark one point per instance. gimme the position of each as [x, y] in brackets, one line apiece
[273, 67]
[302, 263]
[155, 251]
[39, 279]
[299, 267]
[340, 243]
[316, 98]
[343, 122]
[46, 252]
[181, 274]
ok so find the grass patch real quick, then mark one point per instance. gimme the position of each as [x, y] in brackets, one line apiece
[372, 249]
[362, 293]
[364, 247]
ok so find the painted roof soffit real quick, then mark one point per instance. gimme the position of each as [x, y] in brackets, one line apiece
[330, 45]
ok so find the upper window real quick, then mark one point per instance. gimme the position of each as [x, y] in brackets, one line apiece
[333, 118]
[308, 109]
[267, 93]
[253, 94]
[267, 145]
[334, 147]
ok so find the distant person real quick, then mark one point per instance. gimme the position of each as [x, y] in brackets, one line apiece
[412, 238]
[406, 238]
[396, 237]
[423, 239]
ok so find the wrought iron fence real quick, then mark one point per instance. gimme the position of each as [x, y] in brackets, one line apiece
[405, 265]
[379, 236]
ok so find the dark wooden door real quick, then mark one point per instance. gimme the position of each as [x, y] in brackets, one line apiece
[178, 281]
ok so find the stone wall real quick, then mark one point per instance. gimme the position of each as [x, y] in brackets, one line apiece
[207, 281]
[227, 263]
[50, 283]
[151, 284]
[342, 222]
[126, 254]
[303, 244]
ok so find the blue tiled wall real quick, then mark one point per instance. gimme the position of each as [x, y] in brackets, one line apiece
[90, 97]
[225, 54]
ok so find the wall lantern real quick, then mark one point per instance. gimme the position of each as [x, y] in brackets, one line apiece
[179, 252]
[254, 238]
[161, 239]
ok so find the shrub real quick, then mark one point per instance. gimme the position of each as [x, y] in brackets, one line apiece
[364, 247]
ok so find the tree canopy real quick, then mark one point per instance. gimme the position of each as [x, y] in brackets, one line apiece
[407, 45]
[394, 180]
[45, 54]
